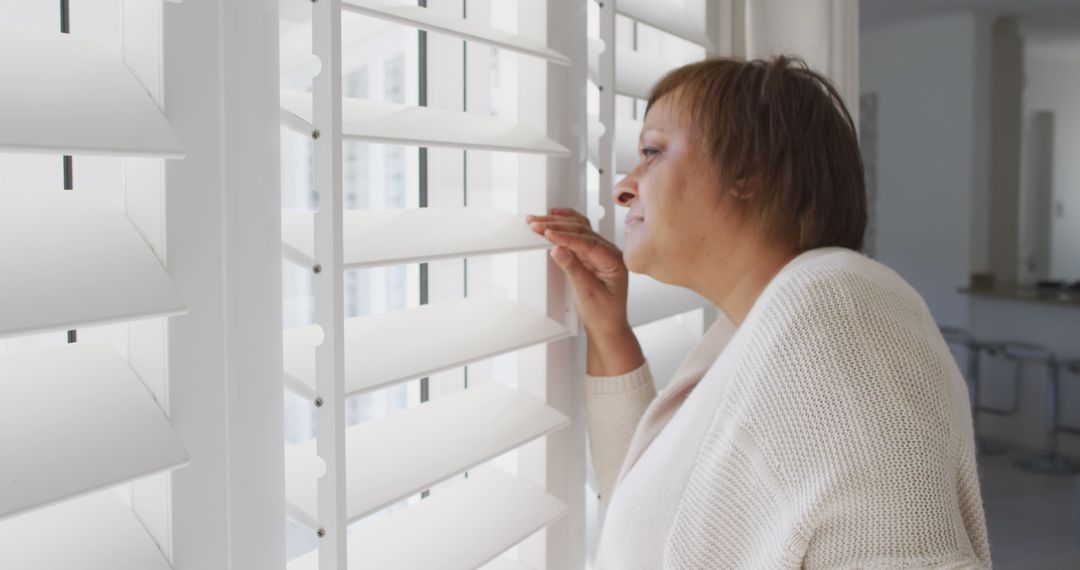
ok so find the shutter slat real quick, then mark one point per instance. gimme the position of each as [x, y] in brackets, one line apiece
[627, 132]
[635, 72]
[503, 563]
[391, 458]
[98, 532]
[650, 300]
[73, 260]
[402, 345]
[392, 237]
[666, 17]
[466, 29]
[66, 94]
[74, 419]
[463, 526]
[391, 123]
[666, 343]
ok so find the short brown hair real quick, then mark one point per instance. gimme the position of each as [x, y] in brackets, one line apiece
[783, 131]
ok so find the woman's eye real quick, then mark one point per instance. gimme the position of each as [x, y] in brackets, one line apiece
[649, 151]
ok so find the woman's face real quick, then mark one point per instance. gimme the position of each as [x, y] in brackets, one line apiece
[678, 209]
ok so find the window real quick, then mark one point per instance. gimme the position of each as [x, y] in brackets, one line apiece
[83, 339]
[439, 330]
[460, 362]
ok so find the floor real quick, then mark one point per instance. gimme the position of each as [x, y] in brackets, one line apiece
[1033, 519]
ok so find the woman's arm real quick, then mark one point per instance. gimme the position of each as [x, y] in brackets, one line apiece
[614, 406]
[618, 384]
[614, 353]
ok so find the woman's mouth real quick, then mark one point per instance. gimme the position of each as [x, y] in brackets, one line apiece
[631, 222]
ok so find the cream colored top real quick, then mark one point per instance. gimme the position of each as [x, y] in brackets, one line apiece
[830, 430]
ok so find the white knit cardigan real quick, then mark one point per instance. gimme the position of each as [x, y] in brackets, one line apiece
[832, 429]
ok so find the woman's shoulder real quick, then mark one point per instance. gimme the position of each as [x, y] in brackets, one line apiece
[838, 326]
[837, 263]
[819, 285]
[843, 353]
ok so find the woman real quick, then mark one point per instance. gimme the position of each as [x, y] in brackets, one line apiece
[822, 423]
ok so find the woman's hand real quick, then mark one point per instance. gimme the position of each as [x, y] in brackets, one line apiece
[594, 266]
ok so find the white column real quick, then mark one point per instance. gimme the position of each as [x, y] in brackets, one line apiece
[222, 243]
[552, 100]
[252, 272]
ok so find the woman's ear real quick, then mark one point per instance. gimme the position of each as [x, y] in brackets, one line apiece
[742, 189]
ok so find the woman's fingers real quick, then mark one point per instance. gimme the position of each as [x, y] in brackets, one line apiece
[557, 219]
[558, 214]
[542, 227]
[539, 227]
[589, 247]
[570, 212]
[581, 278]
[539, 224]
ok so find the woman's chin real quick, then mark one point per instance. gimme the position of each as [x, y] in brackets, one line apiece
[633, 259]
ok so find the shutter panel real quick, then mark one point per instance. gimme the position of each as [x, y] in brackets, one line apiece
[626, 142]
[667, 17]
[387, 237]
[401, 345]
[504, 564]
[469, 522]
[620, 68]
[424, 19]
[68, 95]
[651, 300]
[466, 525]
[98, 532]
[372, 121]
[666, 343]
[76, 419]
[492, 418]
[65, 282]
[633, 73]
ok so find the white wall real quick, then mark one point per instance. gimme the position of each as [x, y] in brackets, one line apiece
[932, 77]
[923, 72]
[1053, 84]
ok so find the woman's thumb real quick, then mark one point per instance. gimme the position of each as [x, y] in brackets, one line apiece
[561, 255]
[571, 266]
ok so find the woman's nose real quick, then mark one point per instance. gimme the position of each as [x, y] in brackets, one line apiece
[625, 191]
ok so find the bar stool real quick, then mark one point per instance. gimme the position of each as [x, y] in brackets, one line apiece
[973, 349]
[1050, 460]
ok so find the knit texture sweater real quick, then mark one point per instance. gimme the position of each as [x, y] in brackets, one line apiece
[831, 429]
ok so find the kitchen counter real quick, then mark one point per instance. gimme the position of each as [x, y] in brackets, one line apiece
[1068, 297]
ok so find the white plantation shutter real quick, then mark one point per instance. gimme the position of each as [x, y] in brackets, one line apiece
[392, 123]
[383, 237]
[345, 474]
[685, 19]
[400, 345]
[639, 41]
[424, 19]
[492, 418]
[76, 419]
